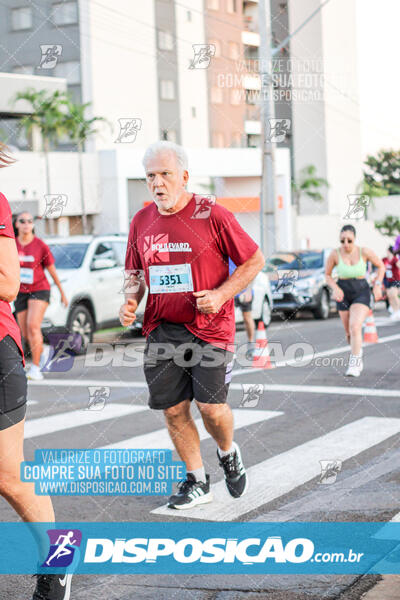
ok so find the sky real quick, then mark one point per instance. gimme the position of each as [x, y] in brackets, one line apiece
[378, 42]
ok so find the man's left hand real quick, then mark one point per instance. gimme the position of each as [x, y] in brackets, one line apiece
[209, 301]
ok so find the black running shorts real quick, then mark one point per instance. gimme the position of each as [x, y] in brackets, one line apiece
[244, 306]
[179, 366]
[13, 385]
[21, 301]
[356, 291]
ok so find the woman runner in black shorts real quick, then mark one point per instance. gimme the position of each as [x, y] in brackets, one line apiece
[351, 291]
[13, 387]
[34, 294]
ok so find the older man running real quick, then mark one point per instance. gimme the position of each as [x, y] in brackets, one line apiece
[179, 247]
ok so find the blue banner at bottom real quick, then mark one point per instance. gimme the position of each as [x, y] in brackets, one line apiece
[200, 547]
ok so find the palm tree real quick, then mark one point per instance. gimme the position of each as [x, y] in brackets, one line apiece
[47, 117]
[79, 129]
[309, 185]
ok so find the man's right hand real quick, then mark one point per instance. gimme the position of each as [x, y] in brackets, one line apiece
[127, 312]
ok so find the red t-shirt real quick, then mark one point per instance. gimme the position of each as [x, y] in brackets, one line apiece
[8, 325]
[202, 235]
[33, 258]
[392, 271]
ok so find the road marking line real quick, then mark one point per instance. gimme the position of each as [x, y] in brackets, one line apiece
[161, 439]
[321, 389]
[307, 358]
[273, 387]
[284, 472]
[86, 382]
[78, 418]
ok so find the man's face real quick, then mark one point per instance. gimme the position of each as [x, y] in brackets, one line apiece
[165, 180]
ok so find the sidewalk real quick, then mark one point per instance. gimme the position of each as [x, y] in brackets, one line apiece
[386, 589]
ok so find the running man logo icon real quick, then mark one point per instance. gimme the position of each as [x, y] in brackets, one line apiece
[329, 471]
[63, 347]
[132, 280]
[50, 55]
[203, 54]
[286, 280]
[252, 393]
[98, 396]
[128, 129]
[203, 207]
[358, 204]
[279, 128]
[54, 205]
[63, 543]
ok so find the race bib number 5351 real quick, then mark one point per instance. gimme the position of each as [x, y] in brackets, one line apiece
[167, 279]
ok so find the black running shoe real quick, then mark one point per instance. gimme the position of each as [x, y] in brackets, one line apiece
[235, 473]
[190, 493]
[53, 587]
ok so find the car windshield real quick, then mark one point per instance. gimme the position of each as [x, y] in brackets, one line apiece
[297, 261]
[68, 256]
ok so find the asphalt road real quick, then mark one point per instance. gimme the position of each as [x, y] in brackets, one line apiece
[298, 415]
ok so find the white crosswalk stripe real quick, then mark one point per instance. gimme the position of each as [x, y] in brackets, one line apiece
[161, 439]
[78, 418]
[281, 474]
[268, 480]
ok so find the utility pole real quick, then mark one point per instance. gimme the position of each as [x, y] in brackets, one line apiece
[267, 196]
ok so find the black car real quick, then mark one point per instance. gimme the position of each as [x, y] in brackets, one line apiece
[298, 282]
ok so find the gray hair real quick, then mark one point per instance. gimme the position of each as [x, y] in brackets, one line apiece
[164, 147]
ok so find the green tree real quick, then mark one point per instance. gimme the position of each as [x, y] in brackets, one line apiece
[47, 117]
[308, 184]
[382, 173]
[79, 129]
[389, 226]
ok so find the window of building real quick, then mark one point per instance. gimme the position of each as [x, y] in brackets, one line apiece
[194, 113]
[167, 89]
[189, 16]
[236, 96]
[213, 4]
[24, 69]
[218, 139]
[217, 96]
[231, 6]
[70, 70]
[21, 18]
[165, 40]
[234, 50]
[169, 135]
[65, 13]
[217, 45]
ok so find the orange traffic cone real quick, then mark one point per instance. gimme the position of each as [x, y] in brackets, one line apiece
[370, 332]
[261, 358]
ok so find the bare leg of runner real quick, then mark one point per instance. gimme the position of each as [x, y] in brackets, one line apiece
[184, 434]
[345, 317]
[19, 494]
[249, 325]
[218, 420]
[36, 310]
[358, 314]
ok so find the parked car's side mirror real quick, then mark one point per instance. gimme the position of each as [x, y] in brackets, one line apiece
[102, 263]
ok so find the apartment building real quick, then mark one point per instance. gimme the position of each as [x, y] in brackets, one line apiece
[141, 66]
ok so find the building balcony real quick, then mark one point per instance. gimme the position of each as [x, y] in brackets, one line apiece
[250, 23]
[252, 127]
[251, 38]
[252, 82]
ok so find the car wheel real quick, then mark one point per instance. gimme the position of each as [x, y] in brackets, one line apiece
[266, 314]
[81, 321]
[322, 310]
